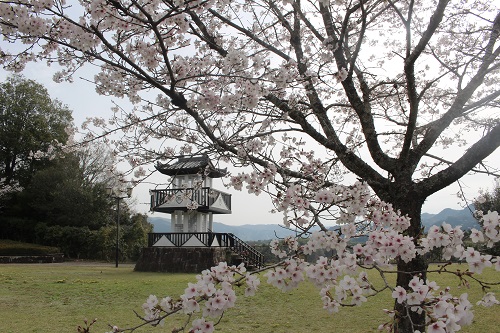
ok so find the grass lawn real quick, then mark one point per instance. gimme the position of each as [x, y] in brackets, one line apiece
[48, 298]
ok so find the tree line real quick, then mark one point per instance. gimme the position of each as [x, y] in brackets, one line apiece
[53, 189]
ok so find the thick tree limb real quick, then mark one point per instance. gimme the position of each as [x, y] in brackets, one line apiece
[473, 156]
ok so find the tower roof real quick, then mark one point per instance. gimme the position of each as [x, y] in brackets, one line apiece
[191, 165]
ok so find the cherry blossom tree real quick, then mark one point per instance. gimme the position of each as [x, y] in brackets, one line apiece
[402, 94]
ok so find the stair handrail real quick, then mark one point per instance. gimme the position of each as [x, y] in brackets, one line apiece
[248, 252]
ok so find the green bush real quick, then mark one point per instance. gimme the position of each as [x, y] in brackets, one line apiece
[12, 248]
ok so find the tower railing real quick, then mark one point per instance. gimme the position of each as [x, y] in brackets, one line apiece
[203, 196]
[212, 239]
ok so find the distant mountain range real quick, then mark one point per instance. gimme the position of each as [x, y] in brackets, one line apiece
[255, 232]
[453, 217]
[247, 232]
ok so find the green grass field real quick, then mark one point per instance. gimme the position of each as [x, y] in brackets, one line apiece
[48, 298]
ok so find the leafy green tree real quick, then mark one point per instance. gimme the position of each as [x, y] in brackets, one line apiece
[65, 205]
[57, 195]
[103, 243]
[31, 125]
[68, 191]
[135, 236]
[60, 195]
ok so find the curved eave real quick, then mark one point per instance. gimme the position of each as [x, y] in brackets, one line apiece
[164, 169]
[171, 210]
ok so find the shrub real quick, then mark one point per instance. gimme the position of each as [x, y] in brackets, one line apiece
[13, 248]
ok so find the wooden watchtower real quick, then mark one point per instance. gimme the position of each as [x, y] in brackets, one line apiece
[191, 201]
[192, 245]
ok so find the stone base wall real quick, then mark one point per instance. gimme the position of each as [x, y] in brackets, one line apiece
[180, 260]
[50, 258]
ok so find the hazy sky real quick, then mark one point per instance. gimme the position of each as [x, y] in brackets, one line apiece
[81, 97]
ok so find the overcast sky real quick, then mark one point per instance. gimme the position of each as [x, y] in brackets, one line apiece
[81, 97]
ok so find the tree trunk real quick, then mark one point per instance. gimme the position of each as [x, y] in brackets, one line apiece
[409, 203]
[9, 169]
[408, 321]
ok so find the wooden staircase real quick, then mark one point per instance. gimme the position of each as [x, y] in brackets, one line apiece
[246, 253]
